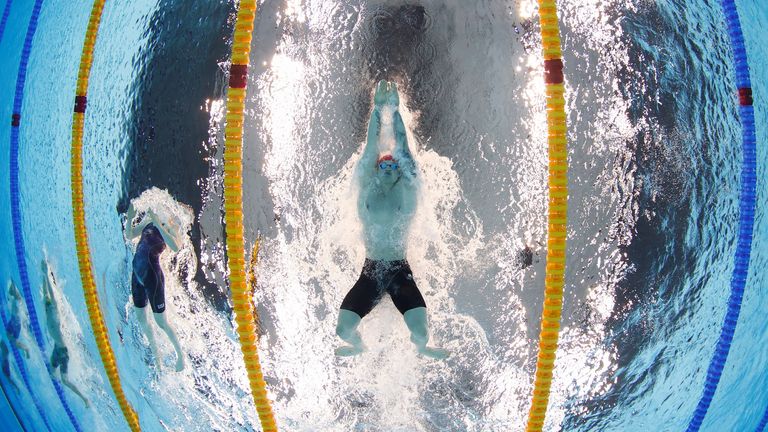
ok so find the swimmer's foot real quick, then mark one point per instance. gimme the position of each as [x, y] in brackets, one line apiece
[151, 357]
[349, 351]
[435, 353]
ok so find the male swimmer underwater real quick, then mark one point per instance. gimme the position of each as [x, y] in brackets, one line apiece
[13, 332]
[14, 319]
[60, 353]
[386, 205]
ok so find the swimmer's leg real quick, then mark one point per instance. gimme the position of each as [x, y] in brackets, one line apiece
[416, 320]
[358, 302]
[141, 316]
[156, 296]
[65, 380]
[409, 301]
[346, 329]
[23, 348]
[163, 324]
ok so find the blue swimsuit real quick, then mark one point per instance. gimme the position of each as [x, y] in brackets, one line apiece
[147, 280]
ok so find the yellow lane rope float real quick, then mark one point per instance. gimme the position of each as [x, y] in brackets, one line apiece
[558, 206]
[81, 235]
[233, 209]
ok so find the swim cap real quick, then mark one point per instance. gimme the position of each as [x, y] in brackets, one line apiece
[385, 157]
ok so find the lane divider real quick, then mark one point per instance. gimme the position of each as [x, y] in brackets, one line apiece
[100, 332]
[746, 215]
[16, 207]
[557, 218]
[20, 364]
[4, 19]
[233, 210]
[763, 422]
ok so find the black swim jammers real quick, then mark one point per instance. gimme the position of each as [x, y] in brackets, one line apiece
[378, 277]
[147, 279]
[60, 358]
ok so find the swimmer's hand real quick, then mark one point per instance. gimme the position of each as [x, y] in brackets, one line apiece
[130, 213]
[349, 350]
[380, 97]
[394, 98]
[435, 353]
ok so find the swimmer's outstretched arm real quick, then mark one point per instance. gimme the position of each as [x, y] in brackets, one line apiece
[402, 153]
[47, 290]
[53, 320]
[366, 167]
[371, 151]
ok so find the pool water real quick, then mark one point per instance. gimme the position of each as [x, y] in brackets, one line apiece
[654, 168]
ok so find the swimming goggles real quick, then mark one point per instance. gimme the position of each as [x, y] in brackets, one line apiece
[385, 165]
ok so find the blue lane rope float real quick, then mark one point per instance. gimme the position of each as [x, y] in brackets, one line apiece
[16, 207]
[763, 422]
[4, 20]
[746, 214]
[20, 364]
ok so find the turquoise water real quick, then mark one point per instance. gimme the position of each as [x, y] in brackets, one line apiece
[653, 207]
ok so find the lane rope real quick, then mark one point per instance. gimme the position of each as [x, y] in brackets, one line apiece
[100, 332]
[763, 422]
[746, 215]
[20, 364]
[233, 210]
[557, 218]
[16, 207]
[4, 20]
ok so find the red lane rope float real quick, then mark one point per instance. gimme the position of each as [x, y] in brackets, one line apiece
[233, 210]
[78, 211]
[558, 209]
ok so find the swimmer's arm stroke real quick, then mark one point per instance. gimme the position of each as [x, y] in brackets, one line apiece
[165, 231]
[402, 153]
[47, 289]
[131, 232]
[366, 167]
[53, 320]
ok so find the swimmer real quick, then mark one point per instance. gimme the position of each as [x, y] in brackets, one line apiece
[386, 206]
[147, 279]
[6, 364]
[60, 353]
[13, 327]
